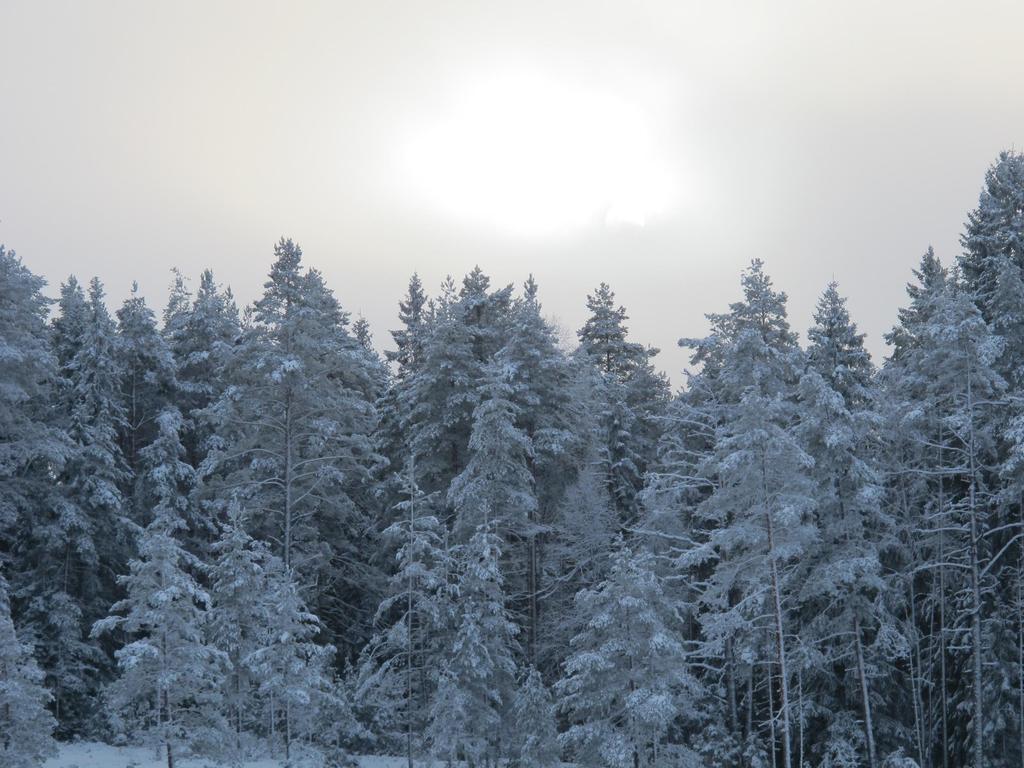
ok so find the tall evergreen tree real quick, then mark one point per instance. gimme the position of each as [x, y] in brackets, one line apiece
[147, 378]
[170, 678]
[26, 725]
[294, 437]
[32, 447]
[468, 715]
[626, 681]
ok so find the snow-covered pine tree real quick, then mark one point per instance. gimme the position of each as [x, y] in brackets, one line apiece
[534, 730]
[603, 335]
[413, 313]
[635, 398]
[746, 487]
[68, 326]
[169, 686]
[626, 680]
[476, 682]
[201, 334]
[75, 543]
[32, 447]
[397, 671]
[294, 439]
[237, 619]
[437, 401]
[293, 669]
[378, 370]
[994, 232]
[147, 379]
[841, 605]
[539, 376]
[496, 483]
[26, 725]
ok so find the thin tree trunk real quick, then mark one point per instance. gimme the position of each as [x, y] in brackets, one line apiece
[730, 679]
[771, 717]
[943, 702]
[787, 759]
[288, 482]
[1020, 636]
[800, 716]
[978, 724]
[409, 621]
[869, 731]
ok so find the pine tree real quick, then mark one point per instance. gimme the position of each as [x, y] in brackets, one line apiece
[533, 713]
[634, 400]
[994, 232]
[74, 544]
[292, 668]
[539, 377]
[294, 438]
[743, 480]
[32, 446]
[603, 335]
[413, 313]
[467, 716]
[397, 669]
[436, 402]
[26, 725]
[496, 482]
[147, 378]
[626, 680]
[201, 334]
[237, 620]
[170, 678]
[844, 580]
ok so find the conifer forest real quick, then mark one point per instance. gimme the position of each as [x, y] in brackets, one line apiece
[233, 533]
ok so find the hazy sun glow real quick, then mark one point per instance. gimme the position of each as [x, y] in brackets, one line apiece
[529, 154]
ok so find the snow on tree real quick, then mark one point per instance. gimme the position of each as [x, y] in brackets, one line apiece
[603, 335]
[31, 445]
[237, 619]
[397, 672]
[538, 376]
[26, 725]
[840, 602]
[78, 537]
[533, 713]
[201, 334]
[994, 232]
[169, 686]
[292, 668]
[474, 691]
[745, 485]
[294, 437]
[147, 379]
[496, 482]
[633, 403]
[412, 312]
[626, 679]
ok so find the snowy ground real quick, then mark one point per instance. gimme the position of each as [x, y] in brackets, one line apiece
[89, 755]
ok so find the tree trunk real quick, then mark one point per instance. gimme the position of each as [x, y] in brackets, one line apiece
[773, 748]
[869, 730]
[978, 724]
[287, 482]
[787, 759]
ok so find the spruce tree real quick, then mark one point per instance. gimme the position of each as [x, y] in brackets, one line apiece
[626, 680]
[397, 671]
[294, 438]
[170, 678]
[26, 725]
[474, 690]
[147, 376]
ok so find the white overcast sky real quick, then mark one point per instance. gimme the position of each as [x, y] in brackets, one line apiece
[658, 146]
